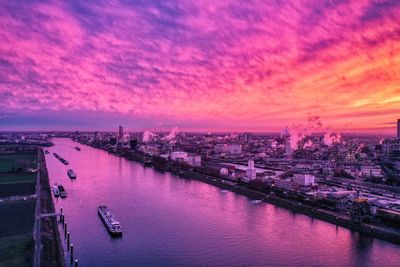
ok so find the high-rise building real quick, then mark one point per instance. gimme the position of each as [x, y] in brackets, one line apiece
[288, 148]
[247, 137]
[398, 129]
[120, 133]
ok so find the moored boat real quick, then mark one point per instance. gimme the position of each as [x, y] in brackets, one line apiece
[64, 161]
[56, 192]
[78, 148]
[63, 193]
[112, 225]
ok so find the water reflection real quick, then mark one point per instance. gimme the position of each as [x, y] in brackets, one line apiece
[173, 221]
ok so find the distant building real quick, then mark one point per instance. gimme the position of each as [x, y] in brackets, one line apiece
[370, 171]
[251, 172]
[391, 146]
[120, 134]
[179, 156]
[304, 167]
[221, 148]
[288, 148]
[286, 184]
[194, 161]
[126, 138]
[398, 129]
[148, 149]
[247, 137]
[304, 179]
[235, 149]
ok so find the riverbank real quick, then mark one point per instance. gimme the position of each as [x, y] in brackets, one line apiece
[52, 253]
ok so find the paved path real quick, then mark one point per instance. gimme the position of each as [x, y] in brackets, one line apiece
[55, 214]
[16, 198]
[36, 231]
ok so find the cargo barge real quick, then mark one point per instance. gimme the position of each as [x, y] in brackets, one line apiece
[71, 174]
[109, 221]
[64, 161]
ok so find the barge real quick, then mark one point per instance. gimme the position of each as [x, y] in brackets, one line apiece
[64, 161]
[78, 148]
[109, 221]
[71, 174]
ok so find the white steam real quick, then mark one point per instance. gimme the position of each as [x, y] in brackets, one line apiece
[147, 136]
[308, 144]
[297, 133]
[172, 134]
[331, 138]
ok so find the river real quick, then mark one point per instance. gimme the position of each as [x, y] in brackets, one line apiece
[168, 220]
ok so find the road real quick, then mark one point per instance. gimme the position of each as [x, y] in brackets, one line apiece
[16, 198]
[36, 231]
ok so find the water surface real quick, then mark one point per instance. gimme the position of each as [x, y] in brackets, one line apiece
[172, 221]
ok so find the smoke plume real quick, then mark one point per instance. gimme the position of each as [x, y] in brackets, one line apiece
[331, 138]
[172, 134]
[147, 136]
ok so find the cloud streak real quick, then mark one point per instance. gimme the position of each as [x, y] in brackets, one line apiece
[204, 64]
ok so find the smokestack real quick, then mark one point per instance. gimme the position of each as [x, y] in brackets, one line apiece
[398, 129]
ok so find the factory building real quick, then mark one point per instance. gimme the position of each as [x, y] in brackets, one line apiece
[391, 146]
[181, 156]
[304, 179]
[398, 129]
[235, 149]
[221, 148]
[251, 172]
[370, 171]
[194, 160]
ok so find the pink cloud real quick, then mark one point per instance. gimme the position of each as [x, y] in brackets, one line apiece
[247, 65]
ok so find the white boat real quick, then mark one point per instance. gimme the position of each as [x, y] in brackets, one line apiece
[56, 192]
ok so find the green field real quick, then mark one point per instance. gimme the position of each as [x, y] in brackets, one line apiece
[17, 184]
[17, 217]
[10, 161]
[16, 233]
[17, 250]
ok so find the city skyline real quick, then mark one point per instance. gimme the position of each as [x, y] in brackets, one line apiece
[200, 65]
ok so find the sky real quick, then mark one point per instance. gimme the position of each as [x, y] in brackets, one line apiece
[201, 65]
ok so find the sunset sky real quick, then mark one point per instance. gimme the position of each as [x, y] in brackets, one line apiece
[199, 64]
